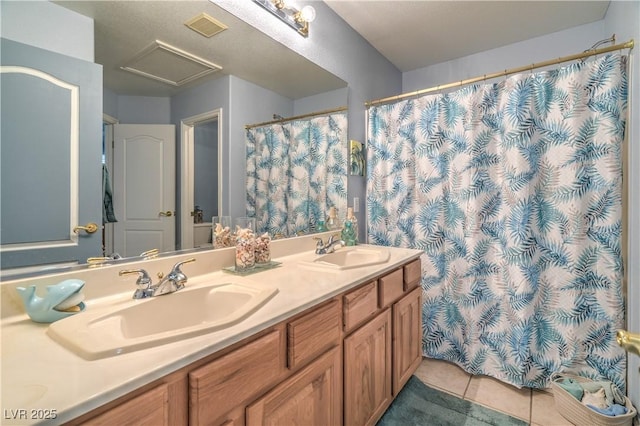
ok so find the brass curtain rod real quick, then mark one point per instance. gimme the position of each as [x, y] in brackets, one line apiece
[297, 117]
[627, 45]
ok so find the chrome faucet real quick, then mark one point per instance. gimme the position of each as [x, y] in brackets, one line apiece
[329, 246]
[172, 282]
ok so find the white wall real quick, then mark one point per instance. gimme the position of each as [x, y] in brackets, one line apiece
[322, 102]
[537, 49]
[143, 110]
[58, 29]
[623, 20]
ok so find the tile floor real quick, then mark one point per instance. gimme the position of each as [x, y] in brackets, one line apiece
[533, 406]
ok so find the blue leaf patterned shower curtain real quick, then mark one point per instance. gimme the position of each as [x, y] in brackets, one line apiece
[514, 192]
[295, 172]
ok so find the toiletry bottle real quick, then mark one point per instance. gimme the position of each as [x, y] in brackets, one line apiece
[332, 222]
[347, 234]
[354, 223]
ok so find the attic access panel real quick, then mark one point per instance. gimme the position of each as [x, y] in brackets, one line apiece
[168, 64]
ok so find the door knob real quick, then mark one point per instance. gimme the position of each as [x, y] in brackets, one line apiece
[629, 341]
[89, 228]
[168, 213]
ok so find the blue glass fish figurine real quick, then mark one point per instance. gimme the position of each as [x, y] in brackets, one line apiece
[62, 300]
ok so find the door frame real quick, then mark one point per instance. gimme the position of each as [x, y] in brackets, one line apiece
[108, 122]
[187, 146]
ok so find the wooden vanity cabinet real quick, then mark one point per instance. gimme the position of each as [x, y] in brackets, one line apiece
[367, 371]
[233, 380]
[381, 355]
[313, 396]
[407, 338]
[162, 403]
[340, 362]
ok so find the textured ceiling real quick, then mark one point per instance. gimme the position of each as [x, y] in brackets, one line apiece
[411, 34]
[415, 34]
[125, 28]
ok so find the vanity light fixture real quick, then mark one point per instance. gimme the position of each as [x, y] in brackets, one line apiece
[297, 19]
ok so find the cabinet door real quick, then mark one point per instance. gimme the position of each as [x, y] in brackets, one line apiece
[367, 371]
[310, 397]
[219, 387]
[407, 338]
[149, 408]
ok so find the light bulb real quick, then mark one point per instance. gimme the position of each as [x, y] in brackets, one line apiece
[308, 13]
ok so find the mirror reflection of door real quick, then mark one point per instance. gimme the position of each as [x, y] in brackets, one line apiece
[50, 157]
[143, 188]
[200, 178]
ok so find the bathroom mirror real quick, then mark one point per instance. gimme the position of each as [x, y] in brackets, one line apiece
[245, 54]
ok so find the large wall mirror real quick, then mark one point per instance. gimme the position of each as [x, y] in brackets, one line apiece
[259, 79]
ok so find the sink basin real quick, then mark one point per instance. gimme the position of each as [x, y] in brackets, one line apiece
[158, 320]
[350, 257]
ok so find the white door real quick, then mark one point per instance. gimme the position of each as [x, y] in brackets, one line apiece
[144, 188]
[50, 172]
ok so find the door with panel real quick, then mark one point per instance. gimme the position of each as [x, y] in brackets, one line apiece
[50, 183]
[367, 371]
[144, 188]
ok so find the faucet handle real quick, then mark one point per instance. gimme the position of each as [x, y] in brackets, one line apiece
[332, 237]
[176, 267]
[177, 275]
[143, 278]
[143, 282]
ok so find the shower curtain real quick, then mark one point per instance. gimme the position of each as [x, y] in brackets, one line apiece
[295, 172]
[513, 191]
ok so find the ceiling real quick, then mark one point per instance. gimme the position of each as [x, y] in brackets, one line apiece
[416, 34]
[411, 34]
[123, 29]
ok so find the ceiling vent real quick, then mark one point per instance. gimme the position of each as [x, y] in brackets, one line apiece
[168, 64]
[206, 25]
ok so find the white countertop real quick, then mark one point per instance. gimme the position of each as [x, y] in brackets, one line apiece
[39, 375]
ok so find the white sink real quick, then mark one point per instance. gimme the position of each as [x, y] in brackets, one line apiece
[350, 257]
[146, 323]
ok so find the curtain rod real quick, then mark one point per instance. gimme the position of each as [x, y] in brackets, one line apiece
[297, 117]
[627, 45]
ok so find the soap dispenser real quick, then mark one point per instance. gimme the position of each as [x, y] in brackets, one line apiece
[332, 222]
[350, 229]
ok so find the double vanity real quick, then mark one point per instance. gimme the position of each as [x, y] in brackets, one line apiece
[320, 339]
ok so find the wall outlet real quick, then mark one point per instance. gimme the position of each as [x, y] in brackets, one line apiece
[356, 204]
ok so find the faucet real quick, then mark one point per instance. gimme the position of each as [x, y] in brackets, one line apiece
[172, 282]
[329, 246]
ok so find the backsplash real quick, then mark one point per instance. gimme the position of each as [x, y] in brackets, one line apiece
[101, 279]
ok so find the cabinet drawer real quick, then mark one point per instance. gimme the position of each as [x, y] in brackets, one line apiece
[234, 378]
[310, 335]
[412, 274]
[360, 304]
[391, 287]
[151, 407]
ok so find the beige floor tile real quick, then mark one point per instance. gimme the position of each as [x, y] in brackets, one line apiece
[443, 375]
[543, 410]
[500, 396]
